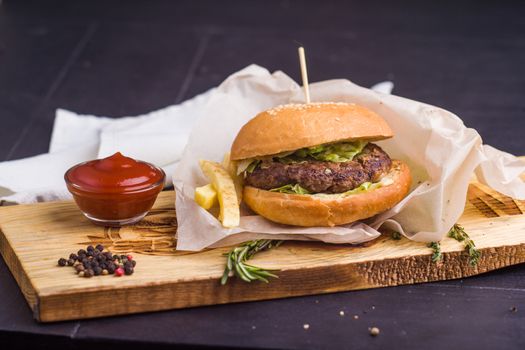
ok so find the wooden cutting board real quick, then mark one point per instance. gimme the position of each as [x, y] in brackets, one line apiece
[33, 237]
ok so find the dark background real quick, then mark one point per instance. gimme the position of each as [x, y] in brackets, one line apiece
[125, 58]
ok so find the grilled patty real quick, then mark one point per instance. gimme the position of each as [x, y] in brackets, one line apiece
[323, 177]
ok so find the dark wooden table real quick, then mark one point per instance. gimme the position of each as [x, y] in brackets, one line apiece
[124, 58]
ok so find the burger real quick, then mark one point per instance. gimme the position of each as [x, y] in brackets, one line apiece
[317, 165]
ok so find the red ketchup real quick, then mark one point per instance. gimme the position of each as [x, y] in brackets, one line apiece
[116, 190]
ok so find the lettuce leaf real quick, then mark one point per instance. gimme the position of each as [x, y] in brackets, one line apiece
[336, 152]
[292, 189]
[297, 189]
[364, 187]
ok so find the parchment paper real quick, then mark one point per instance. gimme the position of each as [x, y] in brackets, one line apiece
[441, 152]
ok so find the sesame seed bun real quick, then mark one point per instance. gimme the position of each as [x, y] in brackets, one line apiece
[291, 127]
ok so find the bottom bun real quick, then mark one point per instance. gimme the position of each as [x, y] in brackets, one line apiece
[330, 209]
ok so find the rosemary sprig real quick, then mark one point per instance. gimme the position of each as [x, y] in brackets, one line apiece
[436, 251]
[458, 233]
[237, 257]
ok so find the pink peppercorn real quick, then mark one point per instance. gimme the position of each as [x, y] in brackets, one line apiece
[130, 257]
[119, 272]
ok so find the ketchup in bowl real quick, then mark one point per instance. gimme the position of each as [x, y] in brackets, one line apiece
[116, 190]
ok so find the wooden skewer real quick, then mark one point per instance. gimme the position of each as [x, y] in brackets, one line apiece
[304, 74]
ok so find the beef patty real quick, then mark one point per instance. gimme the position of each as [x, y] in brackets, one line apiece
[320, 176]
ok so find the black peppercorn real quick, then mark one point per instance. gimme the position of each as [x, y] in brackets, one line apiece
[94, 261]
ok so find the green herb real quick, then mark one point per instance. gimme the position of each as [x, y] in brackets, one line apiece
[436, 251]
[458, 233]
[396, 235]
[237, 257]
[293, 189]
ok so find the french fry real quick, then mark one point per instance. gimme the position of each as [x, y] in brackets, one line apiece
[223, 183]
[231, 168]
[206, 196]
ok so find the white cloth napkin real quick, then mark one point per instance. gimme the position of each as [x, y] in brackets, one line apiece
[158, 137]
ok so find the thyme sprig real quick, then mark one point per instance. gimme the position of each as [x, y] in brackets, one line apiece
[436, 251]
[458, 233]
[237, 257]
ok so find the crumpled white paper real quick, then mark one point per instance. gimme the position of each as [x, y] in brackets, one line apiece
[441, 152]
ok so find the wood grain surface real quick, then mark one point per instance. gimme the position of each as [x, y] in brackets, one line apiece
[33, 237]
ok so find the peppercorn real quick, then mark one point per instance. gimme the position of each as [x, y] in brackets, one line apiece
[81, 252]
[62, 262]
[116, 257]
[100, 247]
[81, 273]
[129, 256]
[97, 270]
[90, 248]
[73, 256]
[71, 262]
[128, 270]
[119, 272]
[111, 269]
[128, 264]
[133, 262]
[89, 273]
[105, 272]
[79, 268]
